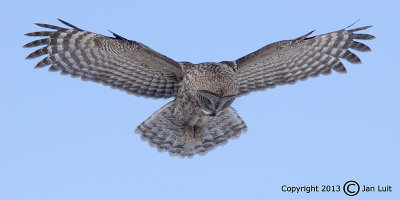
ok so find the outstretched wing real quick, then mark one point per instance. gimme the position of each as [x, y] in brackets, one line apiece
[287, 61]
[117, 62]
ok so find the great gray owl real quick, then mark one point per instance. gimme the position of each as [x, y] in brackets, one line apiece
[200, 117]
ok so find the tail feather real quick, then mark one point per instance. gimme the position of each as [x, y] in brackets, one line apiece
[162, 131]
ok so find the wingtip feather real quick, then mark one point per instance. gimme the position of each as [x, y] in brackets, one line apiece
[303, 36]
[68, 24]
[360, 28]
[339, 67]
[49, 26]
[359, 46]
[363, 36]
[40, 33]
[117, 36]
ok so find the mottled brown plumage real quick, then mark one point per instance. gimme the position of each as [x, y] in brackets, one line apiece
[200, 117]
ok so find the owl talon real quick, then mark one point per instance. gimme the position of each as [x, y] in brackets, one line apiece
[198, 138]
[187, 138]
[192, 134]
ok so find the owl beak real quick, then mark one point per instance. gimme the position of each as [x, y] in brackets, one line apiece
[207, 112]
[214, 113]
[210, 113]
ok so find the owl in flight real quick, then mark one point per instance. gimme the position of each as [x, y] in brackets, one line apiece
[200, 117]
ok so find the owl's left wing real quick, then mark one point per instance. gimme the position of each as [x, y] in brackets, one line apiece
[116, 62]
[287, 61]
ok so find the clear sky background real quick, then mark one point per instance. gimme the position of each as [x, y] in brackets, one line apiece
[61, 138]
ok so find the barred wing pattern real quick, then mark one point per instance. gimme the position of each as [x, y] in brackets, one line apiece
[117, 62]
[287, 61]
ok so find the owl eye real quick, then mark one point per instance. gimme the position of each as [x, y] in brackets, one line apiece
[204, 102]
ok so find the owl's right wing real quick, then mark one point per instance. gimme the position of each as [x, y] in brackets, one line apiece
[287, 61]
[116, 62]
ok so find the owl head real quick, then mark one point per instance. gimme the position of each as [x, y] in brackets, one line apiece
[212, 86]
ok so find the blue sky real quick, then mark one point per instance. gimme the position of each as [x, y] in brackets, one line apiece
[61, 138]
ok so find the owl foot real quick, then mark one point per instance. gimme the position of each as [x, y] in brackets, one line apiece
[192, 134]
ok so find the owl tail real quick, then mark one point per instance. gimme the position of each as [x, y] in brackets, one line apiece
[162, 131]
